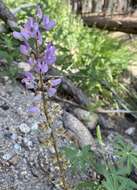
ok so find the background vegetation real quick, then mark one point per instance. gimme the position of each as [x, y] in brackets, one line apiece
[88, 56]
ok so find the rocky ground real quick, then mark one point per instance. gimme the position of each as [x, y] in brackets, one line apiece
[27, 159]
[24, 158]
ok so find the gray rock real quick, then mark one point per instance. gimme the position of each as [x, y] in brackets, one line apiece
[80, 131]
[88, 118]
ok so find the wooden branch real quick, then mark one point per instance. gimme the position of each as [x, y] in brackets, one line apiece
[123, 24]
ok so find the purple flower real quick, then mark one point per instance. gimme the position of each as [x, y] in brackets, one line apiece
[50, 56]
[39, 37]
[52, 89]
[33, 109]
[18, 35]
[55, 82]
[39, 12]
[47, 23]
[29, 24]
[41, 67]
[25, 49]
[32, 61]
[29, 30]
[28, 80]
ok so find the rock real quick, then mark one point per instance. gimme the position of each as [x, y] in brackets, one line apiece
[13, 136]
[27, 143]
[130, 131]
[24, 128]
[17, 148]
[81, 132]
[14, 160]
[51, 149]
[7, 156]
[88, 118]
[6, 78]
[34, 127]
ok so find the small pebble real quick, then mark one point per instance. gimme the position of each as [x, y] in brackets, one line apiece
[17, 147]
[8, 156]
[130, 131]
[14, 136]
[28, 143]
[34, 127]
[24, 128]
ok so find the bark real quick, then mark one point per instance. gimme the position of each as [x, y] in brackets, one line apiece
[127, 24]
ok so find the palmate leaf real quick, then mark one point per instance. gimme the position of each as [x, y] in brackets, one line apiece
[117, 179]
[80, 160]
[127, 184]
[125, 153]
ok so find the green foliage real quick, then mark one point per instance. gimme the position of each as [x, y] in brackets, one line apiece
[79, 159]
[89, 185]
[8, 54]
[126, 153]
[115, 175]
[117, 179]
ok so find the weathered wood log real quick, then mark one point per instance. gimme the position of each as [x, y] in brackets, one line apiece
[7, 16]
[76, 93]
[80, 131]
[127, 24]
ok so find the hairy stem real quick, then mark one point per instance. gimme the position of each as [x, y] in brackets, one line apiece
[45, 108]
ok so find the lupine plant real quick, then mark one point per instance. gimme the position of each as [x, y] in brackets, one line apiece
[40, 61]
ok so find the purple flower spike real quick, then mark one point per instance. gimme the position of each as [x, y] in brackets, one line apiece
[17, 35]
[51, 91]
[39, 12]
[25, 49]
[47, 23]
